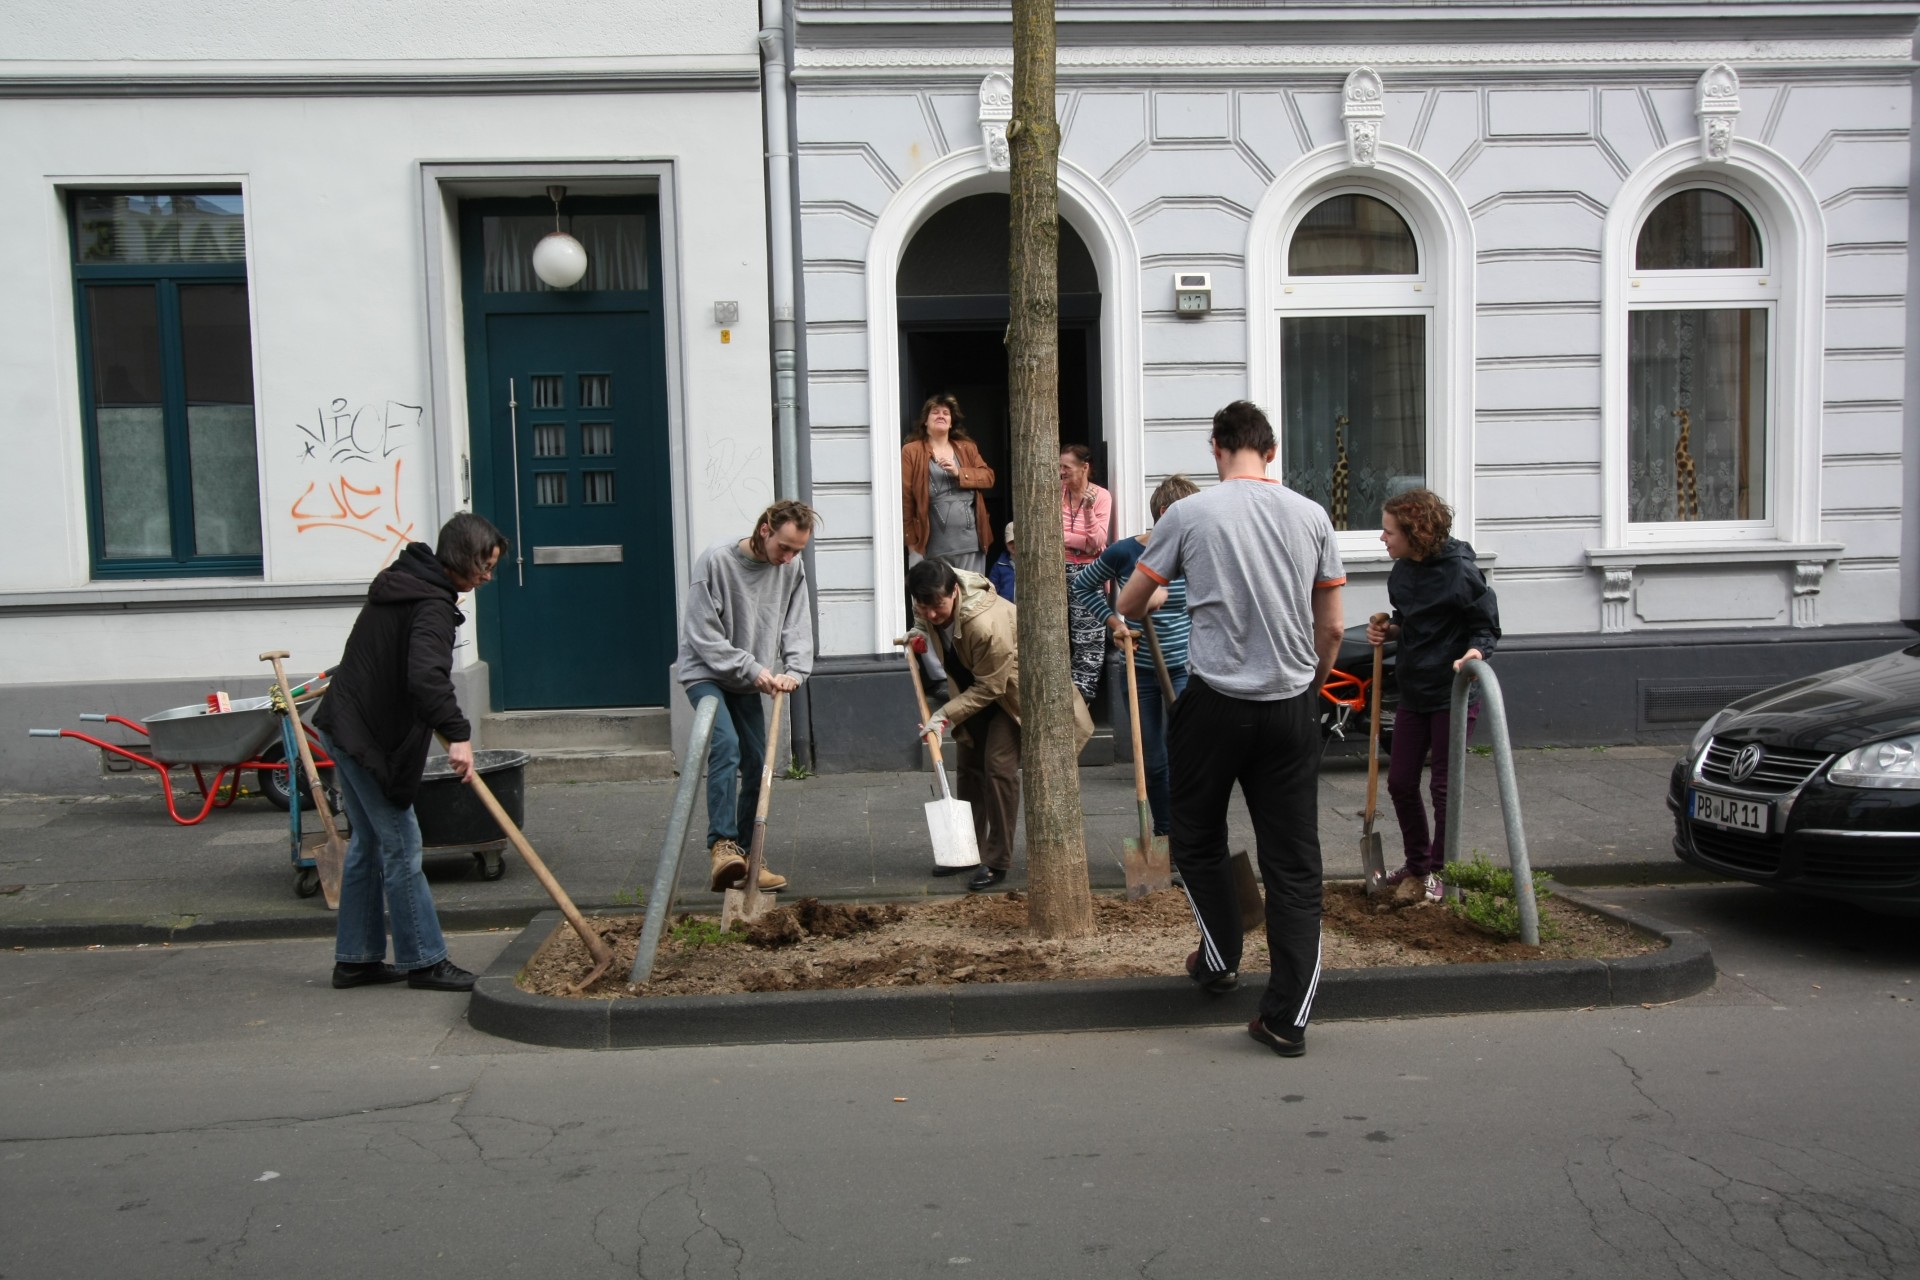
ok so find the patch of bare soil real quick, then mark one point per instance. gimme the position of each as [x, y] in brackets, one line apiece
[811, 945]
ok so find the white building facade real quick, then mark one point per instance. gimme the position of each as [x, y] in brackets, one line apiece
[1630, 290]
[272, 315]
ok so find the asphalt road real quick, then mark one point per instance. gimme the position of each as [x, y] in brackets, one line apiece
[217, 1109]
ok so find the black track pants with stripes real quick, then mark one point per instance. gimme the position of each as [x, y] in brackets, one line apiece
[1272, 749]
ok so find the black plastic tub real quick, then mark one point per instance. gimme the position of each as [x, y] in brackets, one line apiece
[451, 813]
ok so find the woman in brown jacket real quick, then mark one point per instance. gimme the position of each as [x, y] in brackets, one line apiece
[939, 467]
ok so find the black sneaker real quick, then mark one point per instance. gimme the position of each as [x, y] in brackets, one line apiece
[445, 976]
[1286, 1048]
[1209, 981]
[985, 878]
[362, 975]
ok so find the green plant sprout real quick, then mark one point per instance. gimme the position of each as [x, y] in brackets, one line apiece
[1487, 899]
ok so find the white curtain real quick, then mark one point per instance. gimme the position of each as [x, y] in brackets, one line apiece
[616, 246]
[1361, 381]
[1704, 371]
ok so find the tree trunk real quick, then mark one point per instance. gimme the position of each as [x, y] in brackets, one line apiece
[1059, 904]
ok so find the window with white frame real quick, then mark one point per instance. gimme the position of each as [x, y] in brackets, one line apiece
[166, 362]
[1355, 350]
[1700, 315]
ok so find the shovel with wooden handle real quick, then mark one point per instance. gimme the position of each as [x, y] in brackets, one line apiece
[747, 904]
[949, 821]
[1373, 862]
[330, 859]
[1145, 859]
[596, 946]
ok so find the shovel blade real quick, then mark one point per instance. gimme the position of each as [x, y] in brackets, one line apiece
[330, 860]
[1246, 887]
[1147, 866]
[1373, 863]
[950, 824]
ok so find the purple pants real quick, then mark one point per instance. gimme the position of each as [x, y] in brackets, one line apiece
[1414, 732]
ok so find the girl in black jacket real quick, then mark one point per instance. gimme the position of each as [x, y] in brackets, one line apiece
[392, 690]
[1443, 614]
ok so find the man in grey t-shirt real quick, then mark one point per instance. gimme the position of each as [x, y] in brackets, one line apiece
[746, 615]
[1263, 578]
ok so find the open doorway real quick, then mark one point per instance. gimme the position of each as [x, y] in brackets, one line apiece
[952, 297]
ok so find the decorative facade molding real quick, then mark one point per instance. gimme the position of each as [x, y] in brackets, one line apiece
[1716, 105]
[1363, 109]
[1233, 57]
[1616, 593]
[1807, 575]
[996, 109]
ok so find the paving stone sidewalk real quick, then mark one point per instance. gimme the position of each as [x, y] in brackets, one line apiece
[114, 868]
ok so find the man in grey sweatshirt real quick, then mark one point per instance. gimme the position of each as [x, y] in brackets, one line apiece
[746, 614]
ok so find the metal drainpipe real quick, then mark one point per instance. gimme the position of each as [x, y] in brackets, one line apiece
[780, 267]
[773, 97]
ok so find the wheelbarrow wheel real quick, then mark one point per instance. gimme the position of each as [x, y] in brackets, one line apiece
[281, 785]
[306, 882]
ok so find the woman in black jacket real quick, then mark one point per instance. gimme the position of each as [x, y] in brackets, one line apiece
[392, 690]
[1443, 614]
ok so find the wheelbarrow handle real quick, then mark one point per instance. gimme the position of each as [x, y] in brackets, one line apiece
[43, 733]
[100, 716]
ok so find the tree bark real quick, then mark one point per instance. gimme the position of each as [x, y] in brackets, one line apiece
[1059, 904]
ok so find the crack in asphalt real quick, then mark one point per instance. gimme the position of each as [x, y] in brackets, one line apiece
[1639, 1084]
[241, 1126]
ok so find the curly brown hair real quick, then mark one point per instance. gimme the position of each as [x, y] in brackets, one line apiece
[1423, 517]
[957, 431]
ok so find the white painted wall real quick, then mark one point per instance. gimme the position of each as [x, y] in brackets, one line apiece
[372, 30]
[336, 271]
[1537, 164]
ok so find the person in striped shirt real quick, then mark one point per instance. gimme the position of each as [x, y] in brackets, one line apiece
[1094, 588]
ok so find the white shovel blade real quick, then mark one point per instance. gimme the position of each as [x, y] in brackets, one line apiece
[950, 822]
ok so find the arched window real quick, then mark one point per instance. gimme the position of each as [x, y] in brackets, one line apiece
[1700, 312]
[1355, 323]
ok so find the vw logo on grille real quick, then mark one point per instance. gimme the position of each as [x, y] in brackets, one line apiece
[1745, 763]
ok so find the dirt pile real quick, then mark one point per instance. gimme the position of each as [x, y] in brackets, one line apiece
[812, 945]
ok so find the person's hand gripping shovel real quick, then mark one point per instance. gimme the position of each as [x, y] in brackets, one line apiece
[1144, 859]
[949, 821]
[1373, 863]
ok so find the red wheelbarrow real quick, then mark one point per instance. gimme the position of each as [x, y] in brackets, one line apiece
[198, 737]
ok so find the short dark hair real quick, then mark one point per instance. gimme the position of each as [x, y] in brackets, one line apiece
[931, 581]
[1171, 490]
[466, 543]
[1078, 452]
[1424, 517]
[1241, 425]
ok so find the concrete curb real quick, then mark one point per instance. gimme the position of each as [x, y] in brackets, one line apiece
[500, 1008]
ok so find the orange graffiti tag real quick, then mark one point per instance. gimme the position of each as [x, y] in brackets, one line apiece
[370, 512]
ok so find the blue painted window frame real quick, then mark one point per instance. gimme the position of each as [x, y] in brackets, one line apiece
[166, 279]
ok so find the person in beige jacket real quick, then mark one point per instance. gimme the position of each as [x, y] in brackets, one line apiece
[974, 633]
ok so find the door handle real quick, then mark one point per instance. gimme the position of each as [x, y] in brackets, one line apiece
[513, 432]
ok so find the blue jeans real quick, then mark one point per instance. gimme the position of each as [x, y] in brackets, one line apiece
[734, 760]
[1153, 739]
[382, 887]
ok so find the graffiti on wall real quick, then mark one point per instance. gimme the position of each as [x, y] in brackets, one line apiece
[358, 454]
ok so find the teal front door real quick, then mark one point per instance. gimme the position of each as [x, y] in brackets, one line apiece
[569, 436]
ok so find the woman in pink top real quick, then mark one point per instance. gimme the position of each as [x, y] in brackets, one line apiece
[1086, 511]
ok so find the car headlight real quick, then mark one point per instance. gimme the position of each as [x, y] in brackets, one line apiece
[1707, 731]
[1893, 763]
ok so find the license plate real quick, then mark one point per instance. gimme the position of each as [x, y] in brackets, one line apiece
[1731, 812]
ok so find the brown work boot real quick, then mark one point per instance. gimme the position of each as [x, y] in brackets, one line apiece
[729, 866]
[768, 880]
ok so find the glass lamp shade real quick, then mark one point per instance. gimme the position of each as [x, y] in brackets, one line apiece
[559, 260]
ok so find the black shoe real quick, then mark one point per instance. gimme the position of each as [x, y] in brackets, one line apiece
[1286, 1048]
[362, 975]
[985, 878]
[1211, 982]
[445, 976]
[939, 870]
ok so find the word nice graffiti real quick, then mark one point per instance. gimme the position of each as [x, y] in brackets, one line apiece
[360, 454]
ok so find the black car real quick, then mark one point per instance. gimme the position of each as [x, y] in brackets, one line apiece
[1812, 786]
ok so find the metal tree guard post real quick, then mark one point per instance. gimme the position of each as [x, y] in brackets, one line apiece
[1463, 680]
[666, 876]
